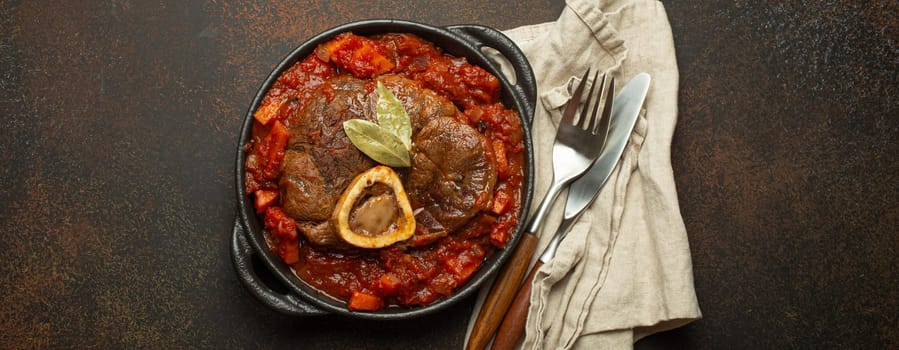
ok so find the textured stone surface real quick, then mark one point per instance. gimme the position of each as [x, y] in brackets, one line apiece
[116, 171]
[786, 160]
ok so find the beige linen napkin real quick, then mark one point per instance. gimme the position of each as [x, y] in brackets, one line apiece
[624, 271]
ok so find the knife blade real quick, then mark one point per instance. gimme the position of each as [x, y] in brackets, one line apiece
[581, 193]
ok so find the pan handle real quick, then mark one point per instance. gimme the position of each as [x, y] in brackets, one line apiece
[525, 83]
[242, 256]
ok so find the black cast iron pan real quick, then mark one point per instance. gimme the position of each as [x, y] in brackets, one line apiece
[272, 281]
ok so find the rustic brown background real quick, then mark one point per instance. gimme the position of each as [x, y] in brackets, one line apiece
[121, 126]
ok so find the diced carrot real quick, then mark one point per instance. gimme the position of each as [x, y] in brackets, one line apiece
[361, 301]
[276, 142]
[361, 56]
[501, 200]
[474, 115]
[502, 162]
[267, 112]
[389, 283]
[464, 264]
[379, 63]
[290, 252]
[280, 135]
[499, 234]
[264, 199]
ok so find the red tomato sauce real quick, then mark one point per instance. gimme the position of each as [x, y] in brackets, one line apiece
[429, 268]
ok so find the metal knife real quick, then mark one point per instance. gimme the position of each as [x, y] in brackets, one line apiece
[581, 193]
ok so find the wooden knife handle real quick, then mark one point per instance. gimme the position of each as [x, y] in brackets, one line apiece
[504, 288]
[512, 328]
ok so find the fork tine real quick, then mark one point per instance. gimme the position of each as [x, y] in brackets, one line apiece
[582, 120]
[607, 108]
[571, 107]
[602, 90]
[602, 130]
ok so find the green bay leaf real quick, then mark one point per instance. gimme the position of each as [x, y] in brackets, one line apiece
[393, 117]
[377, 142]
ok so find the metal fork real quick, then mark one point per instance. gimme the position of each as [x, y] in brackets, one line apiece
[576, 147]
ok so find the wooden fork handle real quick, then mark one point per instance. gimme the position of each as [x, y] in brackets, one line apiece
[500, 296]
[512, 328]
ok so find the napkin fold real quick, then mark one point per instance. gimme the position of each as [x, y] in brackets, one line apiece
[624, 271]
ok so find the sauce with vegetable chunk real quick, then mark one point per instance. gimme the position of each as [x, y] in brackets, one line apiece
[464, 183]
